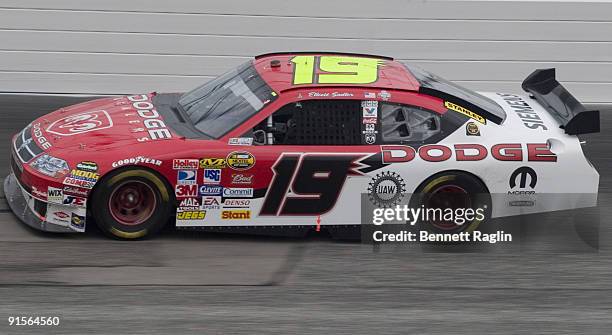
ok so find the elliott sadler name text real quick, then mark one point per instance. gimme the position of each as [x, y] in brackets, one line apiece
[425, 236]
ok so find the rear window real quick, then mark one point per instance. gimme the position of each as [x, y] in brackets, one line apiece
[438, 86]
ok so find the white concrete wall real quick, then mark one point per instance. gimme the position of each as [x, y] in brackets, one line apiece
[113, 46]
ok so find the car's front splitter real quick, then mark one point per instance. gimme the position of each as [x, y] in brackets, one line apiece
[18, 202]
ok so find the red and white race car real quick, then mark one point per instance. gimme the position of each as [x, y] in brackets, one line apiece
[292, 141]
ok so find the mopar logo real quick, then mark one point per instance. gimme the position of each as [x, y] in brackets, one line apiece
[523, 172]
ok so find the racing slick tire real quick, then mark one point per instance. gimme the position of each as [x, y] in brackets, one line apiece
[453, 189]
[131, 204]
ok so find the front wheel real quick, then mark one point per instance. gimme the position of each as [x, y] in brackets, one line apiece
[131, 204]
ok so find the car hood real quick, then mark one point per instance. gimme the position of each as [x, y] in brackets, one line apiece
[102, 124]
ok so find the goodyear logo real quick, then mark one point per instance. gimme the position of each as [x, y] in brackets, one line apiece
[240, 160]
[191, 215]
[212, 163]
[464, 111]
[236, 215]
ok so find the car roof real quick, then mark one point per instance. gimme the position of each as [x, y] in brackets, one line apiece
[391, 74]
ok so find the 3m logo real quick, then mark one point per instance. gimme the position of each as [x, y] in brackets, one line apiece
[81, 123]
[183, 191]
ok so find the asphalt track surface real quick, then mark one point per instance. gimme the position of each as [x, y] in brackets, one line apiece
[221, 284]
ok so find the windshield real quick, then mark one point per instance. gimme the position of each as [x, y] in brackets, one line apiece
[223, 103]
[444, 88]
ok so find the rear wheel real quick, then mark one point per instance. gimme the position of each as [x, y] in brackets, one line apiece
[131, 204]
[457, 191]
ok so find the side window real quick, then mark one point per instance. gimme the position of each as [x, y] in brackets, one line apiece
[408, 124]
[312, 122]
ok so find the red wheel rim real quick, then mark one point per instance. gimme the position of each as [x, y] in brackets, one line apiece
[132, 203]
[448, 196]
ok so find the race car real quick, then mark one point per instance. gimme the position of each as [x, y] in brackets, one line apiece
[298, 141]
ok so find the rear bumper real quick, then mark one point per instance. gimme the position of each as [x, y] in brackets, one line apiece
[21, 203]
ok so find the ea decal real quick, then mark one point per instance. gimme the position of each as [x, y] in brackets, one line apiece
[386, 189]
[240, 160]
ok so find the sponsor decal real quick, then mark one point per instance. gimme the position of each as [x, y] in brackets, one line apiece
[83, 179]
[522, 184]
[212, 176]
[236, 203]
[244, 179]
[71, 200]
[329, 95]
[471, 129]
[185, 164]
[184, 191]
[187, 177]
[81, 123]
[210, 190]
[138, 160]
[55, 195]
[58, 214]
[236, 215]
[240, 160]
[152, 121]
[68, 190]
[369, 120]
[39, 193]
[44, 143]
[369, 109]
[369, 138]
[190, 204]
[212, 163]
[386, 189]
[384, 95]
[231, 192]
[190, 215]
[240, 141]
[464, 111]
[535, 152]
[211, 202]
[530, 118]
[77, 222]
[369, 95]
[87, 166]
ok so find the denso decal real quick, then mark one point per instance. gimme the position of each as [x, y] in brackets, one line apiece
[81, 123]
[525, 112]
[236, 203]
[156, 128]
[536, 152]
[138, 160]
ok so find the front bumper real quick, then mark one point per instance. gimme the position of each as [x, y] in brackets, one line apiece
[20, 203]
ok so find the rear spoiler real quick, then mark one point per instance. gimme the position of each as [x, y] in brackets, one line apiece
[561, 104]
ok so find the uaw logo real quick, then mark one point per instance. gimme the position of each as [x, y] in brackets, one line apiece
[81, 123]
[522, 183]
